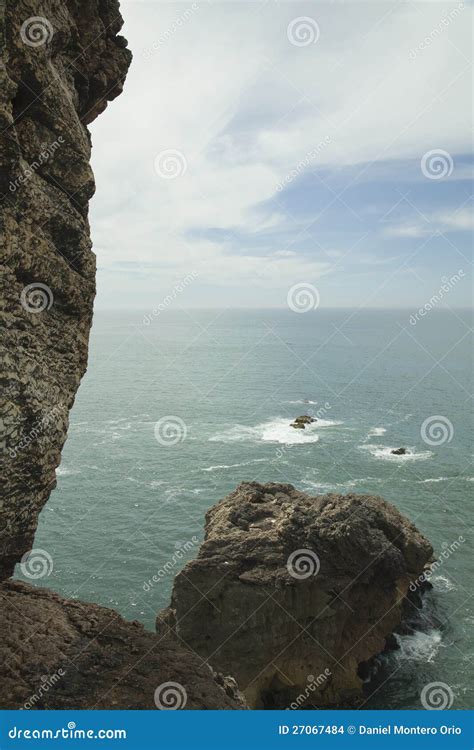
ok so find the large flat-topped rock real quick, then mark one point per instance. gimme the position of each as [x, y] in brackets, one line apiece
[288, 587]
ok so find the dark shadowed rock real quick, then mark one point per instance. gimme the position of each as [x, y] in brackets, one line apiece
[399, 451]
[288, 587]
[62, 654]
[301, 422]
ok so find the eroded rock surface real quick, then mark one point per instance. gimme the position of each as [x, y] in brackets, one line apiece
[291, 594]
[62, 60]
[63, 654]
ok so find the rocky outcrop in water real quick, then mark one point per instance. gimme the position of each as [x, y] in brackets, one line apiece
[292, 594]
[301, 422]
[62, 60]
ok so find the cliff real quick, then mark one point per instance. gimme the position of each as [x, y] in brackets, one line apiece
[298, 592]
[62, 60]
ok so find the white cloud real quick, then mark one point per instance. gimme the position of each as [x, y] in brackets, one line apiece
[461, 220]
[244, 107]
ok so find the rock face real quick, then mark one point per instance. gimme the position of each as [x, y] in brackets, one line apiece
[65, 654]
[61, 62]
[399, 452]
[292, 594]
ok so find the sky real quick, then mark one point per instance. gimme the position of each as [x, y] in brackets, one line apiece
[261, 145]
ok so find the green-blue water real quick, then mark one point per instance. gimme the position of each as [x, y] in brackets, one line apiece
[125, 504]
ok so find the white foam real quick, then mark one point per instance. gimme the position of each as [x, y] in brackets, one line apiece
[386, 454]
[234, 466]
[434, 480]
[442, 583]
[63, 471]
[377, 431]
[419, 646]
[303, 401]
[275, 431]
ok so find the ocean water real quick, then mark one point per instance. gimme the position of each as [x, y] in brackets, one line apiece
[223, 387]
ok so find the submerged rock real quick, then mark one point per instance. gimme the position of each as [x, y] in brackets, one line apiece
[399, 452]
[291, 594]
[60, 654]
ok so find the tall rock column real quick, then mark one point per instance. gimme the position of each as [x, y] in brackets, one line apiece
[62, 61]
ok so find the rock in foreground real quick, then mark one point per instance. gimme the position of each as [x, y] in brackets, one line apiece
[291, 594]
[63, 654]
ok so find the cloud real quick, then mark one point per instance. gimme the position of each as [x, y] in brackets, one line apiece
[461, 220]
[223, 86]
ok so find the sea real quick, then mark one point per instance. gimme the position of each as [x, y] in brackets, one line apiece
[179, 406]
